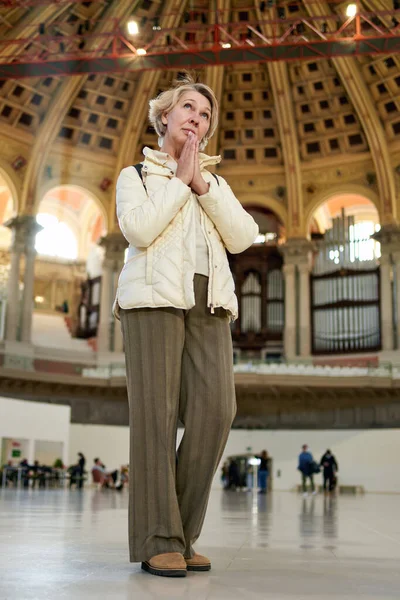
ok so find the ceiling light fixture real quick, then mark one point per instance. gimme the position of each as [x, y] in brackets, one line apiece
[226, 45]
[156, 24]
[133, 28]
[351, 10]
[141, 52]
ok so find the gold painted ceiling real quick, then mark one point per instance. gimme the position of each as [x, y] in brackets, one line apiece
[275, 118]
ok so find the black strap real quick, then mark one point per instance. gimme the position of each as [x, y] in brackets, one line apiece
[139, 168]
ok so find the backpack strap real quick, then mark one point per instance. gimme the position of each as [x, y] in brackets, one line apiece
[214, 175]
[139, 168]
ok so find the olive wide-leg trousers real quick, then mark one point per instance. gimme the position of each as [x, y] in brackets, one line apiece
[179, 367]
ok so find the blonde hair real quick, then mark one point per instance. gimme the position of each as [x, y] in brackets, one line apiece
[168, 99]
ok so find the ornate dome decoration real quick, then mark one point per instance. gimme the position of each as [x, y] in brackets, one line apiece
[309, 109]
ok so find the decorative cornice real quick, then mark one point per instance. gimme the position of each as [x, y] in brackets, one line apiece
[297, 251]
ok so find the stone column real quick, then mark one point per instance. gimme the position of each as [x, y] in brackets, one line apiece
[386, 302]
[31, 229]
[12, 315]
[396, 258]
[389, 238]
[305, 310]
[289, 335]
[297, 254]
[53, 293]
[24, 230]
[105, 319]
[114, 245]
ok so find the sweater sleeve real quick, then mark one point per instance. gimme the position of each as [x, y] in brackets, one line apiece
[236, 227]
[142, 217]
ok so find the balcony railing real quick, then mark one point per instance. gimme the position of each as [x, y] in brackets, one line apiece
[48, 364]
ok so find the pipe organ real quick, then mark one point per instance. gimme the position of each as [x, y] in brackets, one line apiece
[259, 287]
[345, 291]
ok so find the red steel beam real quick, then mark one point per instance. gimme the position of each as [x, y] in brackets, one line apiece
[301, 38]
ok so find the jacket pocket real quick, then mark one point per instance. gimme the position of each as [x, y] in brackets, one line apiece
[126, 274]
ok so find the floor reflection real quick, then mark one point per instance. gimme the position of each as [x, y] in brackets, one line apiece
[72, 545]
[314, 523]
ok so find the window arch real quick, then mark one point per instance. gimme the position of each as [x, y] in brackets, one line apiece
[56, 238]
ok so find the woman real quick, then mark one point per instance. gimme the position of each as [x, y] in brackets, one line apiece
[175, 298]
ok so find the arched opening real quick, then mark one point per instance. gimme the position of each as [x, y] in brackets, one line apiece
[271, 229]
[345, 290]
[56, 239]
[259, 287]
[75, 210]
[7, 211]
[72, 225]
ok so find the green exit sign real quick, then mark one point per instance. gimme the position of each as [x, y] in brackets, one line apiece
[15, 453]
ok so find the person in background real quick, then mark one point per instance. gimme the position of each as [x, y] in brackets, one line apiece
[225, 474]
[101, 476]
[124, 478]
[11, 473]
[263, 471]
[330, 466]
[25, 472]
[233, 475]
[36, 474]
[81, 469]
[306, 469]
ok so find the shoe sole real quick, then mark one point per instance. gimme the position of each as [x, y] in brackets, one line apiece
[198, 567]
[163, 572]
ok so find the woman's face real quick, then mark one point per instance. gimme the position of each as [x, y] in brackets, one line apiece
[191, 113]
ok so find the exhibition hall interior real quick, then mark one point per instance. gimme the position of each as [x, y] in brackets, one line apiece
[309, 140]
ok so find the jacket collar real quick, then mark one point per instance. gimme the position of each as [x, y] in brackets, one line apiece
[162, 159]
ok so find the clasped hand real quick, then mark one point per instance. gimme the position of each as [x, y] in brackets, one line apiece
[188, 169]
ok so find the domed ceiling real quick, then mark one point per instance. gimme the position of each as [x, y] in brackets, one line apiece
[275, 117]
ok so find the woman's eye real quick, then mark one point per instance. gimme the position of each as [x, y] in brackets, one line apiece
[206, 115]
[187, 104]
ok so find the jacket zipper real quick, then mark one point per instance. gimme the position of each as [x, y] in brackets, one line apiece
[210, 262]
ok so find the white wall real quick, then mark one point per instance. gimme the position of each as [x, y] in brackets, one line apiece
[110, 443]
[35, 421]
[107, 442]
[47, 452]
[368, 458]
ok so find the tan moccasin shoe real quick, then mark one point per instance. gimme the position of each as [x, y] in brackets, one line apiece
[170, 564]
[198, 563]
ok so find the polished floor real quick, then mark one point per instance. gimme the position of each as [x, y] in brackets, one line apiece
[71, 545]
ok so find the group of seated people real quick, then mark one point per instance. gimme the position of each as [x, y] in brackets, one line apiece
[46, 476]
[35, 474]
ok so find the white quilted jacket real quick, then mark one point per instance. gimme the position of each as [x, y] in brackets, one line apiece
[160, 226]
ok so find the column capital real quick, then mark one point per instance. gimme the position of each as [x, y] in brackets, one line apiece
[389, 238]
[298, 251]
[114, 245]
[24, 229]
